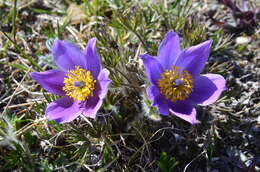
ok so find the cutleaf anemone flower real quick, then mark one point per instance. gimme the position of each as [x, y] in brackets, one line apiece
[80, 80]
[176, 84]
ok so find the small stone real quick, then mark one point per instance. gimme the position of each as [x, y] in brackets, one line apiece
[243, 40]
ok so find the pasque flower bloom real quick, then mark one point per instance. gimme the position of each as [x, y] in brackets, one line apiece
[176, 84]
[80, 80]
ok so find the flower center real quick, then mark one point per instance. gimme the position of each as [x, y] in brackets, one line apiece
[79, 84]
[175, 84]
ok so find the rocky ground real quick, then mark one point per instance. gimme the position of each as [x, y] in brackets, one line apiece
[129, 135]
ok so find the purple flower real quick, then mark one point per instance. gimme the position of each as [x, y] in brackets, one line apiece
[176, 83]
[80, 81]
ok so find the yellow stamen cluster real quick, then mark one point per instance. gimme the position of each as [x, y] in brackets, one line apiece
[79, 84]
[175, 84]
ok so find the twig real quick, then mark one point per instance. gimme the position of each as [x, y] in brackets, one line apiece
[14, 21]
[193, 160]
[21, 105]
[16, 90]
[29, 126]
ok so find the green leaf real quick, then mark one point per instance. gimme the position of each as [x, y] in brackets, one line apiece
[167, 163]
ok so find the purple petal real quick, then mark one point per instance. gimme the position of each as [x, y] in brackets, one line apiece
[152, 92]
[92, 58]
[184, 110]
[104, 82]
[194, 58]
[191, 117]
[152, 67]
[169, 50]
[181, 106]
[207, 89]
[93, 104]
[67, 55]
[51, 80]
[157, 99]
[162, 105]
[63, 110]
